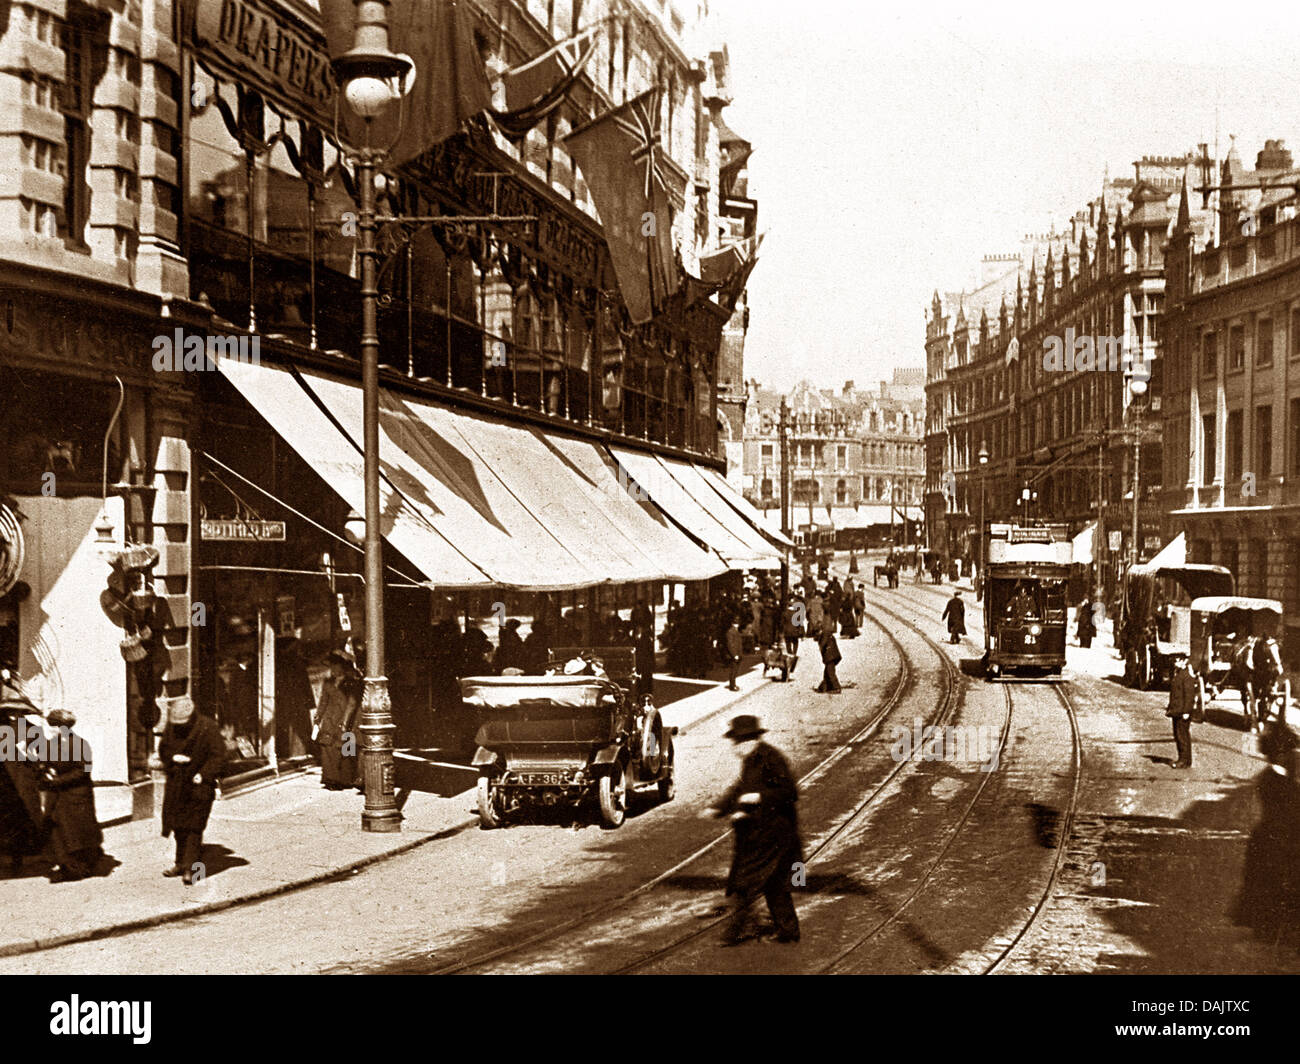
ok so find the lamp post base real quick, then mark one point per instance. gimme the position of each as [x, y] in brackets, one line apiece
[377, 767]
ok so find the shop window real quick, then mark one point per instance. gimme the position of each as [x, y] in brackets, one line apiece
[1264, 342]
[75, 103]
[1295, 437]
[1236, 347]
[1209, 449]
[1235, 446]
[1264, 442]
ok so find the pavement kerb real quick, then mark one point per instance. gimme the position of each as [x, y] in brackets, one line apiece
[14, 949]
[36, 945]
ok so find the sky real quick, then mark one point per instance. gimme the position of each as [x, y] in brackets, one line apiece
[895, 144]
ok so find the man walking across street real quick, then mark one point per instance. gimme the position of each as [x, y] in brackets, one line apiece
[954, 612]
[1183, 708]
[830, 658]
[768, 851]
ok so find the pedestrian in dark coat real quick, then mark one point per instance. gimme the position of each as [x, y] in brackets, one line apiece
[337, 718]
[1184, 706]
[510, 648]
[734, 647]
[1087, 629]
[848, 618]
[69, 801]
[192, 752]
[954, 612]
[830, 658]
[791, 628]
[22, 832]
[643, 634]
[768, 851]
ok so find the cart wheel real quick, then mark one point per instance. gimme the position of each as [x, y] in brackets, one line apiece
[489, 811]
[1144, 670]
[668, 785]
[613, 797]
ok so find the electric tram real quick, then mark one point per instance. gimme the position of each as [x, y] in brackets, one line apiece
[1025, 616]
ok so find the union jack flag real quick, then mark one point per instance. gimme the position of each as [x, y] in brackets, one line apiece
[623, 161]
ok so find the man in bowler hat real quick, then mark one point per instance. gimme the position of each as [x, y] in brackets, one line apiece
[762, 806]
[1184, 707]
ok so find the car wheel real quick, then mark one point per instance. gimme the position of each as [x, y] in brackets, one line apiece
[489, 811]
[613, 797]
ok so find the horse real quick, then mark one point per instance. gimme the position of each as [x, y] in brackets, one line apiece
[1254, 670]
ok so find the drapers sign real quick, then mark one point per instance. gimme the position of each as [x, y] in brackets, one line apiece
[241, 531]
[273, 54]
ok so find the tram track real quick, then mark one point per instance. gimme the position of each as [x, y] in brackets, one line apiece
[945, 713]
[997, 961]
[905, 681]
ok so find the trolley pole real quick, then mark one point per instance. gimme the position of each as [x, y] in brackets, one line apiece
[783, 437]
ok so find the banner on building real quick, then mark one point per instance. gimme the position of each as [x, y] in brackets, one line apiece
[450, 84]
[621, 155]
[535, 89]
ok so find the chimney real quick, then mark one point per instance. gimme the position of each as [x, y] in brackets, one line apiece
[848, 388]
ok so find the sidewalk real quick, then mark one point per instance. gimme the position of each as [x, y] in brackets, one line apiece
[277, 839]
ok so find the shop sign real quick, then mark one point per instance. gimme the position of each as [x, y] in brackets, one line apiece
[238, 530]
[1116, 540]
[270, 53]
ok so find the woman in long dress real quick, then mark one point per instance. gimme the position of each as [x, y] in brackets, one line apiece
[22, 832]
[336, 715]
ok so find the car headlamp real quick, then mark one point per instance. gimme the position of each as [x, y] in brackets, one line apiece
[1035, 629]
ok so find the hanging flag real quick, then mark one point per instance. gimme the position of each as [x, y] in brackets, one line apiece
[450, 82]
[527, 84]
[621, 156]
[729, 270]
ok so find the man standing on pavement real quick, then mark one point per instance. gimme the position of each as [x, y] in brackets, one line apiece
[816, 615]
[954, 612]
[192, 754]
[768, 849]
[1183, 706]
[734, 647]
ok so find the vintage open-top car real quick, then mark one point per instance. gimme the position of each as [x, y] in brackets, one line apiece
[565, 737]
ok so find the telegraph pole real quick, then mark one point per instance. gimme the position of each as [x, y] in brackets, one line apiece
[783, 435]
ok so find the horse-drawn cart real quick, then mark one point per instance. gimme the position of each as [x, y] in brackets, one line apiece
[1234, 643]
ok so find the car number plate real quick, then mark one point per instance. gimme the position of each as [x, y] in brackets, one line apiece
[542, 779]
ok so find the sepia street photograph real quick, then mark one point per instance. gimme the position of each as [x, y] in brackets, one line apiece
[659, 487]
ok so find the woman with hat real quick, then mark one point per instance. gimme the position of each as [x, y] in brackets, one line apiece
[768, 848]
[192, 753]
[69, 800]
[21, 823]
[340, 702]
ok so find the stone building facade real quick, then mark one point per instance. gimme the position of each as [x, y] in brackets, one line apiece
[1232, 384]
[1065, 432]
[162, 175]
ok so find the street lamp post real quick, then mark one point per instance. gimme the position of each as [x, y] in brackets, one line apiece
[369, 74]
[1137, 387]
[979, 578]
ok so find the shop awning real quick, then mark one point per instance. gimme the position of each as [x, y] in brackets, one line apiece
[1083, 545]
[409, 520]
[471, 501]
[740, 548]
[743, 506]
[577, 513]
[676, 555]
[1173, 553]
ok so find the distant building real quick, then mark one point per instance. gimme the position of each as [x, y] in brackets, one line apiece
[851, 450]
[1063, 432]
